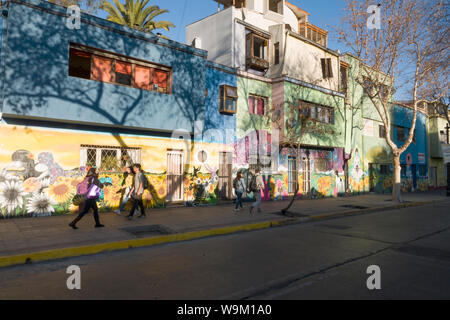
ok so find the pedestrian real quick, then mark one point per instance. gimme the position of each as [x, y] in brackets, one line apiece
[239, 187]
[92, 196]
[137, 191]
[257, 186]
[127, 185]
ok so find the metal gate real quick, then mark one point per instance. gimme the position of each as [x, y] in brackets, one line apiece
[225, 175]
[292, 174]
[175, 176]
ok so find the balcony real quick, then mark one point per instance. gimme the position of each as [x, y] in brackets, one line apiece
[257, 56]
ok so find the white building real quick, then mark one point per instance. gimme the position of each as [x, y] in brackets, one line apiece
[272, 38]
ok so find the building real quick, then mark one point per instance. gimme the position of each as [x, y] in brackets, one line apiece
[285, 72]
[439, 146]
[108, 96]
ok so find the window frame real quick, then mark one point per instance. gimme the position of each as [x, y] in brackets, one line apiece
[265, 104]
[305, 107]
[125, 59]
[327, 68]
[84, 149]
[223, 96]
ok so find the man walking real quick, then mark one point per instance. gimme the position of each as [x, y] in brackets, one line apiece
[257, 187]
[137, 191]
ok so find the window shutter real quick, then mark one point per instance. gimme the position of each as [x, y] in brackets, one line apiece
[323, 68]
[251, 105]
[260, 106]
[330, 68]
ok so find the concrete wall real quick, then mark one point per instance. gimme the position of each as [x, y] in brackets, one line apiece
[37, 82]
[302, 61]
[216, 34]
[219, 128]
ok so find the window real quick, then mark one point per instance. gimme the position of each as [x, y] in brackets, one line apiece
[385, 169]
[277, 53]
[257, 52]
[343, 79]
[313, 33]
[276, 6]
[401, 134]
[88, 63]
[79, 64]
[327, 68]
[382, 131]
[228, 99]
[123, 73]
[317, 112]
[108, 158]
[257, 105]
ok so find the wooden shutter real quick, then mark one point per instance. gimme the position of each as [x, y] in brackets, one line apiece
[330, 68]
[324, 69]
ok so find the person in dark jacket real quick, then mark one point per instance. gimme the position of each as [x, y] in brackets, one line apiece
[90, 203]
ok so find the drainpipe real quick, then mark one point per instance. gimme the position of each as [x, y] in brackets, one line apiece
[4, 8]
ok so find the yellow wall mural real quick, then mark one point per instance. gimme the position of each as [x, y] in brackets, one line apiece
[40, 169]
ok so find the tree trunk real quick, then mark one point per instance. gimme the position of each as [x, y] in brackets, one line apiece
[285, 210]
[396, 181]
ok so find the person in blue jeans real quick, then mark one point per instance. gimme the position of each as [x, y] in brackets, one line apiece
[127, 185]
[239, 187]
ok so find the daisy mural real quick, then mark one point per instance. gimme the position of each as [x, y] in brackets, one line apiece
[40, 205]
[11, 196]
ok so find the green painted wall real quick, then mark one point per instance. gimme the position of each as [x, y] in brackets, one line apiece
[294, 92]
[247, 122]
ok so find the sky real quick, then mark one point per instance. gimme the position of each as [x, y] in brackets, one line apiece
[324, 13]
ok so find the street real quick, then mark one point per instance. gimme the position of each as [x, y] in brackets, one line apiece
[322, 260]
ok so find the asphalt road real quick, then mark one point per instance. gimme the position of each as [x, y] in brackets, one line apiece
[323, 260]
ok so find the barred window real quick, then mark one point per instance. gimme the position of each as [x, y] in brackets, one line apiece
[108, 158]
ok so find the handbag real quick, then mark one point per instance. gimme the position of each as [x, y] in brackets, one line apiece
[93, 192]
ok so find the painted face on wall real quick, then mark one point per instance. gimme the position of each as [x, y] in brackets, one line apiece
[357, 171]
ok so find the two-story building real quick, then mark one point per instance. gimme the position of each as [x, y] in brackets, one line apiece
[104, 96]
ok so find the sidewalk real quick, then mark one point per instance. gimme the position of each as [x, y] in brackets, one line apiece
[24, 236]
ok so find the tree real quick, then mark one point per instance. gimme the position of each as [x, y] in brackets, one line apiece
[136, 14]
[297, 126]
[398, 57]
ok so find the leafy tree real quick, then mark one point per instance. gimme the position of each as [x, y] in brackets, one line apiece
[136, 14]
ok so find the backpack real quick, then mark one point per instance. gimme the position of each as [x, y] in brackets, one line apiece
[145, 182]
[83, 187]
[235, 183]
[253, 185]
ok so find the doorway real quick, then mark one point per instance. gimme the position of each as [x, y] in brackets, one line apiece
[175, 175]
[306, 171]
[225, 175]
[292, 175]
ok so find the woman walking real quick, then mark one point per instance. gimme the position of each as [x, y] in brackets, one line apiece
[91, 199]
[239, 187]
[127, 185]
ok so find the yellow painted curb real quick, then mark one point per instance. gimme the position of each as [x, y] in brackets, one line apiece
[8, 261]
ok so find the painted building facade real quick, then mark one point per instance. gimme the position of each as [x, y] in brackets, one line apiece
[106, 96]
